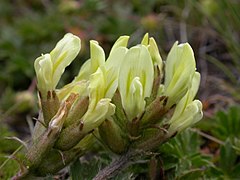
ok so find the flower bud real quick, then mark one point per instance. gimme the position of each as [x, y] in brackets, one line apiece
[43, 144]
[113, 136]
[77, 111]
[58, 120]
[49, 105]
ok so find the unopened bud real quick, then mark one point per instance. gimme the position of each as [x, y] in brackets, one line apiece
[113, 136]
[49, 106]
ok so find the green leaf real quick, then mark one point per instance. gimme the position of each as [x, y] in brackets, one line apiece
[191, 174]
[182, 158]
[228, 158]
[75, 170]
[88, 166]
[227, 124]
[236, 171]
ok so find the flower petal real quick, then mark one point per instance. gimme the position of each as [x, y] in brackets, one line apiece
[189, 96]
[135, 102]
[97, 56]
[145, 39]
[122, 41]
[112, 66]
[44, 67]
[154, 52]
[92, 119]
[85, 72]
[97, 84]
[78, 87]
[63, 54]
[191, 115]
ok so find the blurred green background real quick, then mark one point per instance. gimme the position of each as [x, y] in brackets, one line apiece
[31, 27]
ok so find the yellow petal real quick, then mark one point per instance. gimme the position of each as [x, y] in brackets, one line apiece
[189, 96]
[112, 66]
[93, 118]
[154, 52]
[145, 39]
[135, 102]
[96, 88]
[191, 115]
[79, 87]
[122, 41]
[44, 67]
[97, 56]
[85, 72]
[63, 54]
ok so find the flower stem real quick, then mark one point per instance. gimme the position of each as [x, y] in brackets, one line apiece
[116, 166]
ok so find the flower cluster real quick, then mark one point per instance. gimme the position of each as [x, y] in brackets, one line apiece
[121, 97]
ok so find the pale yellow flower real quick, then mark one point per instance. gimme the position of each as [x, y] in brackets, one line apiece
[187, 111]
[179, 71]
[136, 80]
[50, 67]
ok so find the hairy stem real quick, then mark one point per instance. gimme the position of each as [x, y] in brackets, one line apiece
[116, 166]
[126, 159]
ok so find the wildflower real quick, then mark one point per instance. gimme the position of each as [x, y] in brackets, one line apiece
[101, 83]
[136, 80]
[187, 111]
[179, 71]
[97, 58]
[50, 67]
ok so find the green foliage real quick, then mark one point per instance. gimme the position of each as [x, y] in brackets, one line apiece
[9, 168]
[5, 144]
[227, 124]
[224, 16]
[228, 163]
[182, 158]
[88, 167]
[21, 38]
